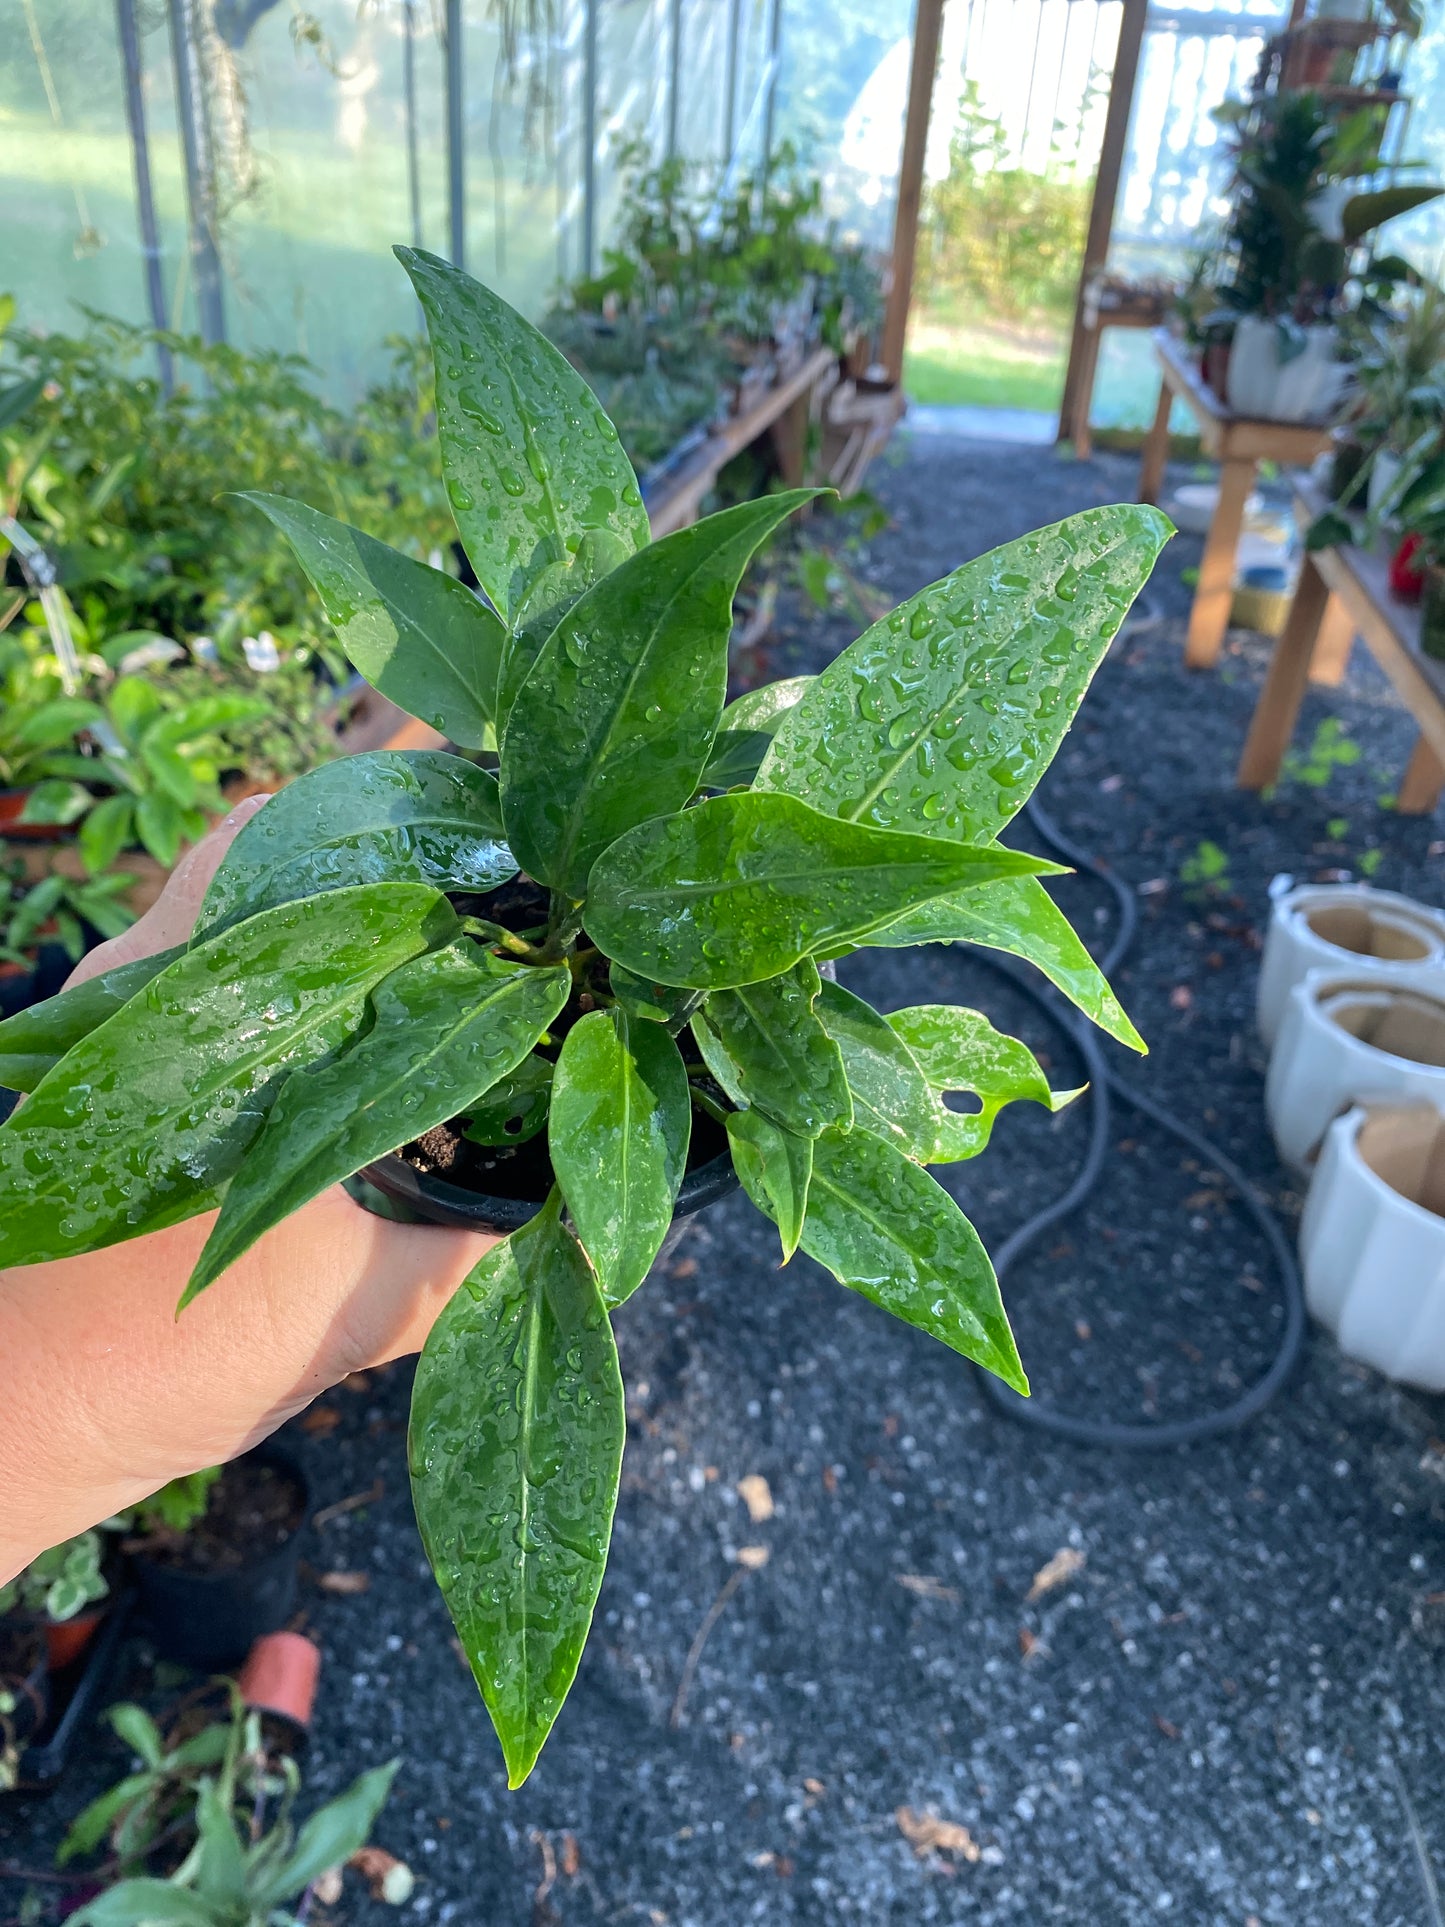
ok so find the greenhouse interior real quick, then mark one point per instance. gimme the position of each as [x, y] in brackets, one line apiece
[872, 578]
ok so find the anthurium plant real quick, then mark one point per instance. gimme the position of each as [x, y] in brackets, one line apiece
[610, 929]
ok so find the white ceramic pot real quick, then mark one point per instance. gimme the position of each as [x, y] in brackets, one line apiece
[1372, 1240]
[1343, 926]
[1303, 389]
[1350, 1038]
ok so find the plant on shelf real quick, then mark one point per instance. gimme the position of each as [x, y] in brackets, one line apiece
[222, 1809]
[590, 976]
[1399, 385]
[59, 1584]
[55, 909]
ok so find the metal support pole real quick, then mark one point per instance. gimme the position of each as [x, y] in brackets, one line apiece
[150, 245]
[456, 136]
[589, 136]
[200, 181]
[408, 82]
[730, 83]
[674, 71]
[775, 45]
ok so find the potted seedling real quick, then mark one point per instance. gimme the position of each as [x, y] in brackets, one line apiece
[45, 926]
[60, 1592]
[565, 994]
[215, 1556]
[204, 1831]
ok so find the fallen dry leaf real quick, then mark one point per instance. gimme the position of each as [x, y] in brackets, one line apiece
[1166, 1727]
[1056, 1572]
[926, 1834]
[389, 1879]
[320, 1420]
[684, 1268]
[757, 1496]
[815, 1787]
[327, 1888]
[830, 1480]
[1028, 1642]
[373, 1495]
[344, 1582]
[925, 1585]
[753, 1557]
[570, 1858]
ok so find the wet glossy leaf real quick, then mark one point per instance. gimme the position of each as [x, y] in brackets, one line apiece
[329, 1837]
[618, 713]
[446, 1026]
[765, 1045]
[944, 715]
[34, 1041]
[639, 997]
[514, 1109]
[421, 638]
[399, 816]
[891, 1095]
[1020, 917]
[618, 1133]
[531, 461]
[145, 1903]
[140, 1122]
[742, 886]
[885, 1228]
[548, 598]
[515, 1447]
[774, 1167]
[959, 1050]
[748, 727]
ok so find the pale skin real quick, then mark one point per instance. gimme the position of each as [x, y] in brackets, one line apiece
[109, 1395]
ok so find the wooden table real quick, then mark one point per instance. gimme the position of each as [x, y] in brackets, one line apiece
[1103, 304]
[1239, 444]
[1340, 591]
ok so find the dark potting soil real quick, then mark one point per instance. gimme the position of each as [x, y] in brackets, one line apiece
[1231, 1707]
[253, 1509]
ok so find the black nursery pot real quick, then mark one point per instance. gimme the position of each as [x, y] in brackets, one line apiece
[211, 1620]
[392, 1188]
[21, 988]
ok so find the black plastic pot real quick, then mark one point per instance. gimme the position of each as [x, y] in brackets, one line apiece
[75, 1695]
[211, 1620]
[22, 988]
[391, 1188]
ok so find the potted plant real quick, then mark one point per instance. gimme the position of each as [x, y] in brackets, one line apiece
[617, 930]
[214, 1556]
[46, 925]
[1293, 240]
[37, 723]
[1399, 357]
[204, 1832]
[60, 1592]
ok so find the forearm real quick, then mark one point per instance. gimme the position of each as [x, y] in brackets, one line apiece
[108, 1394]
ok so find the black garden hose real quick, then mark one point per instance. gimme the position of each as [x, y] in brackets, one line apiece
[1104, 1087]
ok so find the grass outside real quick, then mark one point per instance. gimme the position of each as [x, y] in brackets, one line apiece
[958, 359]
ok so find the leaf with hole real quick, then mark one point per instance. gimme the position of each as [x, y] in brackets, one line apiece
[959, 1050]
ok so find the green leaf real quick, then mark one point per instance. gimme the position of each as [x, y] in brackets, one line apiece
[531, 462]
[944, 715]
[330, 1836]
[93, 1823]
[959, 1050]
[394, 816]
[1362, 212]
[160, 824]
[17, 398]
[138, 1730]
[891, 1096]
[515, 1107]
[616, 718]
[106, 831]
[447, 1026]
[145, 1903]
[515, 1446]
[743, 886]
[170, 772]
[639, 997]
[54, 801]
[886, 1229]
[219, 1864]
[54, 723]
[426, 642]
[34, 1041]
[1021, 918]
[765, 1045]
[748, 727]
[618, 1133]
[140, 1122]
[775, 1168]
[548, 598]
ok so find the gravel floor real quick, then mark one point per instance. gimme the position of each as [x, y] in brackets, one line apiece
[1231, 1711]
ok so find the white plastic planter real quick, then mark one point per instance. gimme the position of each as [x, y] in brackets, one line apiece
[1304, 388]
[1347, 1039]
[1343, 926]
[1372, 1242]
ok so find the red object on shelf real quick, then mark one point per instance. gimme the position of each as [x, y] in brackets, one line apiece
[1407, 577]
[280, 1676]
[67, 1639]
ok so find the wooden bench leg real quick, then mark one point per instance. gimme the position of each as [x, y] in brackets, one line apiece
[1332, 647]
[1422, 782]
[1156, 448]
[1209, 618]
[1080, 430]
[1275, 713]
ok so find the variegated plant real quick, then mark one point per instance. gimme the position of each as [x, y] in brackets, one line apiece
[698, 860]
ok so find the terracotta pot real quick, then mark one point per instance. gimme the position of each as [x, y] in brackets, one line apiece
[280, 1676]
[12, 803]
[67, 1639]
[1432, 613]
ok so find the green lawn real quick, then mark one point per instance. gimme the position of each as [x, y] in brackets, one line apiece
[959, 360]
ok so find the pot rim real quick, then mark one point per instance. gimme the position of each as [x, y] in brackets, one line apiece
[268, 1452]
